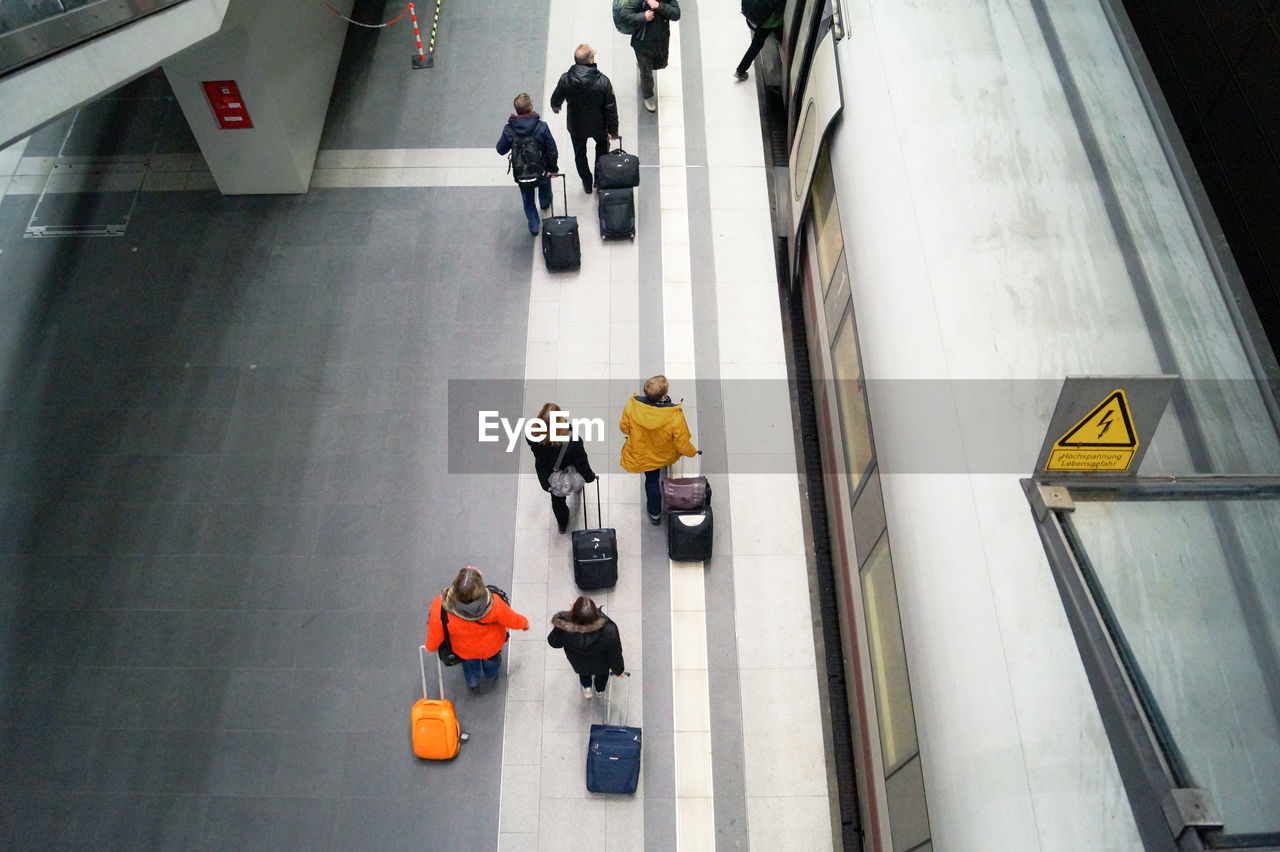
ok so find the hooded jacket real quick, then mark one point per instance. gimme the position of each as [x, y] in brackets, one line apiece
[477, 630]
[592, 649]
[653, 38]
[657, 434]
[593, 111]
[526, 124]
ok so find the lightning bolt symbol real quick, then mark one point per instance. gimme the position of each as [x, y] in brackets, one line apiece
[1105, 423]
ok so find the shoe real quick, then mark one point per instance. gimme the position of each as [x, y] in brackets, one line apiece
[739, 75]
[588, 692]
[533, 231]
[546, 207]
[564, 528]
[651, 104]
[586, 187]
[654, 519]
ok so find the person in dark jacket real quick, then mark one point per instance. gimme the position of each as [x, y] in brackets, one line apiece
[771, 25]
[526, 122]
[651, 40]
[545, 452]
[591, 642]
[593, 112]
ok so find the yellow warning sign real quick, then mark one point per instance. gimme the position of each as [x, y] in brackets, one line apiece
[1104, 440]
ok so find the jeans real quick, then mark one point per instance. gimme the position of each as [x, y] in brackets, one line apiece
[580, 154]
[531, 209]
[758, 37]
[653, 491]
[602, 681]
[473, 669]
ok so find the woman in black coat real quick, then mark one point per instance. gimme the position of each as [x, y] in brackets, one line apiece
[591, 642]
[545, 453]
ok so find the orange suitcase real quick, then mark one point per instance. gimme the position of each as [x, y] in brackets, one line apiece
[436, 735]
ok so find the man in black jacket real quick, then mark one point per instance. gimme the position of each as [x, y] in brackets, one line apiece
[593, 112]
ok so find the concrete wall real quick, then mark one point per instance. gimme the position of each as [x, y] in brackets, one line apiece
[283, 57]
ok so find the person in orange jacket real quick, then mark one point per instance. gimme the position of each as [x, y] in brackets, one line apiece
[657, 435]
[478, 624]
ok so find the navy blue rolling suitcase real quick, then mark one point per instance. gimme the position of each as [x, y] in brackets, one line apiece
[613, 752]
[595, 552]
[561, 248]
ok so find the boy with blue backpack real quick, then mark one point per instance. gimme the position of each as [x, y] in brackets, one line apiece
[532, 157]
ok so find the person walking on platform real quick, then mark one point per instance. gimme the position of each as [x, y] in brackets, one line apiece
[648, 21]
[534, 158]
[764, 17]
[591, 643]
[657, 435]
[593, 112]
[558, 450]
[478, 621]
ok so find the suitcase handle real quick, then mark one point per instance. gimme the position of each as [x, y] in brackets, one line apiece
[586, 521]
[608, 700]
[422, 664]
[679, 467]
[564, 185]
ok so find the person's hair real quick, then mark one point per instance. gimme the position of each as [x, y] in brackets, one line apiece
[656, 388]
[523, 104]
[584, 54]
[584, 611]
[545, 416]
[469, 585]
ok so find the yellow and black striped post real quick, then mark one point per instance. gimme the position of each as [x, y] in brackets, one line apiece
[431, 42]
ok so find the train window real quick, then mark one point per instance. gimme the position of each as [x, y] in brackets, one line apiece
[888, 660]
[826, 219]
[852, 400]
[804, 146]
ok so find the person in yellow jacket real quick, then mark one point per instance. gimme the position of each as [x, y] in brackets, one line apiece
[657, 435]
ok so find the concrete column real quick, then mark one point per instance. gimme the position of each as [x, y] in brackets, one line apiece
[283, 57]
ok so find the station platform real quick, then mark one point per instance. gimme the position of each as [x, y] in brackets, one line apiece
[237, 464]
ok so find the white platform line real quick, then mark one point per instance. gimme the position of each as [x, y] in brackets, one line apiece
[695, 810]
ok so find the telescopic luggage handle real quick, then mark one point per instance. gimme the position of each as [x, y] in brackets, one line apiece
[564, 186]
[608, 700]
[586, 520]
[422, 664]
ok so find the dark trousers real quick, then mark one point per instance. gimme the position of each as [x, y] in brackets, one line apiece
[653, 491]
[580, 154]
[758, 37]
[560, 508]
[601, 680]
[644, 63]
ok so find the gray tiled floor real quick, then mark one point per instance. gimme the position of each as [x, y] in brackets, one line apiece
[226, 503]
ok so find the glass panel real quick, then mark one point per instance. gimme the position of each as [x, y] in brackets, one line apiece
[826, 218]
[851, 394]
[1195, 588]
[888, 659]
[803, 154]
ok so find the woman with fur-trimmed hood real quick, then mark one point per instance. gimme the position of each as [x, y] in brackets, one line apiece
[591, 642]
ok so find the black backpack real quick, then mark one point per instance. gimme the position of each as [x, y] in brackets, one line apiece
[525, 161]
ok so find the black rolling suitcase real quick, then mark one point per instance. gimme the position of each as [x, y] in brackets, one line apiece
[690, 522]
[617, 169]
[595, 552]
[560, 246]
[613, 750]
[617, 213]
